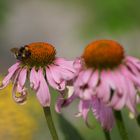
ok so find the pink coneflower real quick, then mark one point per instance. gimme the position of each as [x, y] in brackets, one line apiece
[37, 62]
[107, 73]
[106, 79]
[100, 110]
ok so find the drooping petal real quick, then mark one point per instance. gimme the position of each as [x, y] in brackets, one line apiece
[9, 76]
[50, 79]
[103, 91]
[78, 65]
[84, 107]
[34, 81]
[86, 76]
[131, 97]
[13, 67]
[133, 60]
[67, 96]
[63, 102]
[54, 79]
[85, 94]
[78, 81]
[94, 79]
[121, 90]
[131, 76]
[22, 94]
[133, 69]
[64, 73]
[65, 64]
[103, 113]
[22, 77]
[55, 74]
[43, 93]
[121, 102]
[107, 77]
[59, 103]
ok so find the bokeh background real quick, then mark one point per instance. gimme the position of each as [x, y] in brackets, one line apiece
[69, 26]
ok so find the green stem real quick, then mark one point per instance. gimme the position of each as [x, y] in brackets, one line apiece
[121, 126]
[138, 119]
[50, 123]
[107, 135]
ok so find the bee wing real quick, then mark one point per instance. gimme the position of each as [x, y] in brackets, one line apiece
[14, 50]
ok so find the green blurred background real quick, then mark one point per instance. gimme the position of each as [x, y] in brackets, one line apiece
[69, 26]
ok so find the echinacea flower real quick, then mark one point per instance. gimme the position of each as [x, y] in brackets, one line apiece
[38, 63]
[110, 75]
[106, 79]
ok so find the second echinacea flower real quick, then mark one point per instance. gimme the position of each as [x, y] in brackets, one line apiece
[110, 75]
[106, 80]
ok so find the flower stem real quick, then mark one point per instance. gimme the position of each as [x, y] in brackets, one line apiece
[50, 123]
[107, 135]
[138, 120]
[121, 126]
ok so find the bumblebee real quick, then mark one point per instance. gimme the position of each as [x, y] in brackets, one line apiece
[21, 53]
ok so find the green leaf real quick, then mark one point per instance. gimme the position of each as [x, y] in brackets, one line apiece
[68, 130]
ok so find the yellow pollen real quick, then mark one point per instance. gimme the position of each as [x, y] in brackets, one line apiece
[38, 54]
[103, 54]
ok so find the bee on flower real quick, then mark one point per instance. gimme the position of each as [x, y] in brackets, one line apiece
[38, 63]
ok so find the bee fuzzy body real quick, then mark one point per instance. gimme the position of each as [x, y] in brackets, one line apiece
[21, 53]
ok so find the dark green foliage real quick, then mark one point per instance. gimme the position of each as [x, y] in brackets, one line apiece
[68, 130]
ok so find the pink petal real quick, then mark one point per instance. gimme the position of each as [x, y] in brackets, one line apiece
[132, 94]
[84, 107]
[55, 80]
[13, 67]
[128, 74]
[78, 92]
[86, 94]
[55, 74]
[78, 64]
[106, 76]
[22, 98]
[34, 81]
[131, 106]
[114, 100]
[116, 78]
[133, 69]
[79, 82]
[133, 60]
[59, 102]
[63, 102]
[121, 90]
[86, 76]
[10, 75]
[94, 79]
[103, 113]
[103, 91]
[50, 79]
[121, 102]
[21, 81]
[22, 77]
[65, 64]
[43, 93]
[64, 73]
